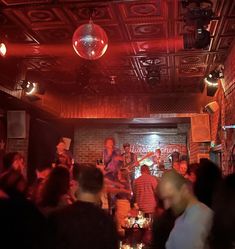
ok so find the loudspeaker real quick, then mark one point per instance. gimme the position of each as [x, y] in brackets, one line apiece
[200, 127]
[212, 107]
[211, 90]
[16, 124]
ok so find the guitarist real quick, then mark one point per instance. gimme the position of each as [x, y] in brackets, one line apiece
[111, 158]
[129, 158]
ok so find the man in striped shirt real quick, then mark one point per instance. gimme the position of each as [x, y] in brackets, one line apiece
[144, 191]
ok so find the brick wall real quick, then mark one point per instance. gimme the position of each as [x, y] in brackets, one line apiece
[195, 149]
[89, 141]
[228, 112]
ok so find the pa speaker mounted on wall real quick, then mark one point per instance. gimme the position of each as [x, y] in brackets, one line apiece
[16, 124]
[212, 107]
[200, 127]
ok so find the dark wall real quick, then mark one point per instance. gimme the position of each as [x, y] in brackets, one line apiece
[3, 135]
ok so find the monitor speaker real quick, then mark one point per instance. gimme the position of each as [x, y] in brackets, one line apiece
[16, 124]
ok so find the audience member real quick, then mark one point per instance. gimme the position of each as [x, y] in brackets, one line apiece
[123, 200]
[194, 218]
[183, 168]
[144, 191]
[22, 225]
[176, 165]
[208, 177]
[14, 160]
[55, 192]
[84, 224]
[192, 172]
[163, 222]
[222, 234]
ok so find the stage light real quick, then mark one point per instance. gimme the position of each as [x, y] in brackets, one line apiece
[153, 75]
[200, 39]
[28, 87]
[212, 89]
[212, 81]
[213, 78]
[3, 49]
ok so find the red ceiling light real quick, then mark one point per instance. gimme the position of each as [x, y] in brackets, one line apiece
[3, 49]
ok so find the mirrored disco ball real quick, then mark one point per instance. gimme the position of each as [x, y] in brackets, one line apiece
[90, 41]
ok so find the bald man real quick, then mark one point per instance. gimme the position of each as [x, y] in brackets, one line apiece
[194, 218]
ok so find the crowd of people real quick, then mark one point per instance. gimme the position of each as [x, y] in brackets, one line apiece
[85, 206]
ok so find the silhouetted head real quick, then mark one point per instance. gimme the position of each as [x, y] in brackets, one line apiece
[175, 192]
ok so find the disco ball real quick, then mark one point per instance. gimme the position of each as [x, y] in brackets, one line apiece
[90, 41]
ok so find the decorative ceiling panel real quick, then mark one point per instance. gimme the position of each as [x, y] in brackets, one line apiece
[232, 10]
[225, 42]
[146, 31]
[60, 34]
[156, 61]
[113, 32]
[191, 71]
[154, 46]
[82, 12]
[141, 33]
[40, 17]
[142, 9]
[191, 59]
[5, 21]
[17, 36]
[229, 27]
[20, 2]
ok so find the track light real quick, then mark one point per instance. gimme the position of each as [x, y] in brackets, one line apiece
[153, 75]
[212, 81]
[3, 49]
[213, 77]
[199, 39]
[28, 87]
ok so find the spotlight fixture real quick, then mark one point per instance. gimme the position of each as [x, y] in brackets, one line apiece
[3, 49]
[198, 16]
[153, 75]
[112, 79]
[213, 77]
[199, 39]
[28, 87]
[188, 3]
[212, 81]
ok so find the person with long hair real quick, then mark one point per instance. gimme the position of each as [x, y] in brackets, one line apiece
[54, 194]
[222, 235]
[208, 178]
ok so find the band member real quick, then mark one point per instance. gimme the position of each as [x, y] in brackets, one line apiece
[158, 163]
[111, 158]
[129, 161]
[63, 156]
[129, 158]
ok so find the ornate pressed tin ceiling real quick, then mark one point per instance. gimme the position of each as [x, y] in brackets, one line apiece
[142, 33]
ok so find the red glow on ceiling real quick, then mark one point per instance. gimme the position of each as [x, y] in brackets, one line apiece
[19, 50]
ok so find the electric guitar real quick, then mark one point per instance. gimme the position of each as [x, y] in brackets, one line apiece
[131, 166]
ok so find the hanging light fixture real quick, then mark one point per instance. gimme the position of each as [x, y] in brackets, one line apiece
[90, 41]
